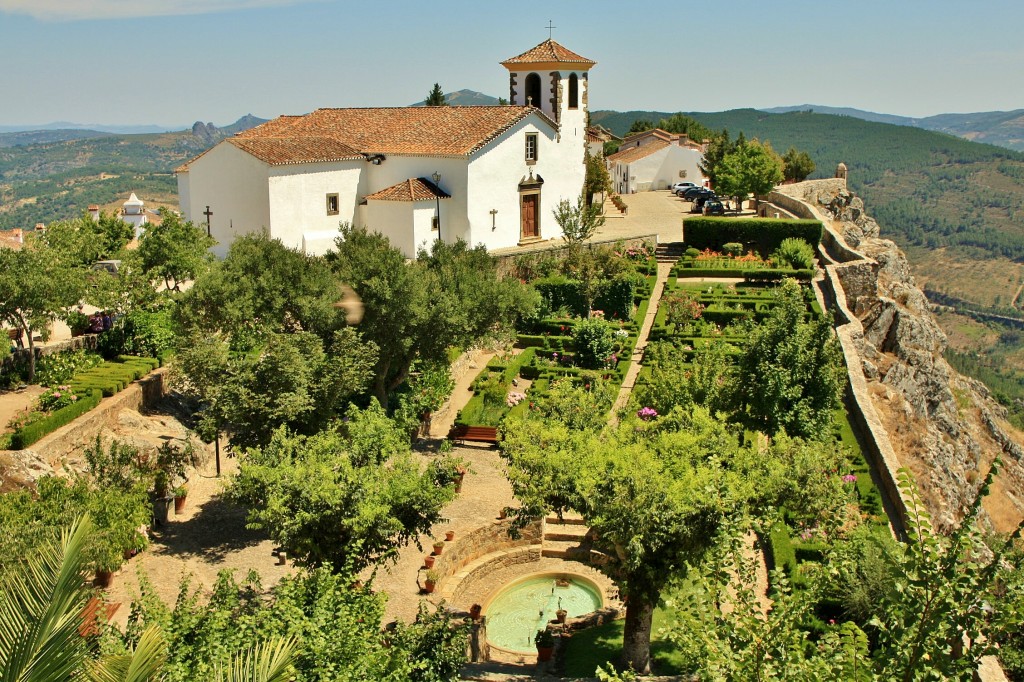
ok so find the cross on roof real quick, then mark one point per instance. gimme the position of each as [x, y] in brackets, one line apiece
[549, 27]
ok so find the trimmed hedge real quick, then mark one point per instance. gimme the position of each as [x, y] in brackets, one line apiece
[777, 275]
[766, 233]
[31, 433]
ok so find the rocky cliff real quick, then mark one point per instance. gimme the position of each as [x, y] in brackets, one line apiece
[943, 426]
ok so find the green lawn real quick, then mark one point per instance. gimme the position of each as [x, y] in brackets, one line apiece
[589, 648]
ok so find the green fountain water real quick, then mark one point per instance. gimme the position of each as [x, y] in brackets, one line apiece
[520, 610]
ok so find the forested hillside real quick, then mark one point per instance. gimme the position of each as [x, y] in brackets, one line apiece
[41, 182]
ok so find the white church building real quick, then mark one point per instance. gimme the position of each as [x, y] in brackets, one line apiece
[489, 175]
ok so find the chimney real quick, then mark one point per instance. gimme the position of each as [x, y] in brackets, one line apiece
[94, 212]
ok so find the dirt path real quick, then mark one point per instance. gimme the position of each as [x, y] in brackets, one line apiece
[629, 382]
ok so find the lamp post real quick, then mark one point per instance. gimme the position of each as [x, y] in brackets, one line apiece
[436, 177]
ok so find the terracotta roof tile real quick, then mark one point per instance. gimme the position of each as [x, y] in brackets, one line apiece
[335, 134]
[413, 189]
[549, 51]
[286, 150]
[632, 154]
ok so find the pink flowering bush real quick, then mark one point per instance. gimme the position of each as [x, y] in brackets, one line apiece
[514, 398]
[55, 398]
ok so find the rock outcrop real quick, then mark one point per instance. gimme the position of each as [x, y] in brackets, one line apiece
[944, 427]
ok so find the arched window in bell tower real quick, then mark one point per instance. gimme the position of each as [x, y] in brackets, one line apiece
[533, 90]
[574, 92]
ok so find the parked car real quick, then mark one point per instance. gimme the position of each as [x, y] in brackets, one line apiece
[695, 192]
[714, 207]
[698, 203]
[681, 187]
[111, 266]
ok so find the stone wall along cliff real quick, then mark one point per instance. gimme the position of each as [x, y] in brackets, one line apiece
[942, 426]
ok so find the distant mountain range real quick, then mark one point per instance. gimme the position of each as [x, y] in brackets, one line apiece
[94, 127]
[207, 132]
[1002, 128]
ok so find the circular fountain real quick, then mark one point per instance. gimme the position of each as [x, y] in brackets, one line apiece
[525, 606]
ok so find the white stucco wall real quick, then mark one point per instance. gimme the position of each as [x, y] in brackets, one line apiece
[395, 169]
[658, 170]
[234, 185]
[497, 169]
[298, 202]
[394, 220]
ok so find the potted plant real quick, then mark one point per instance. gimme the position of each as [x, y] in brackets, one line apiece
[78, 322]
[474, 611]
[428, 561]
[180, 495]
[438, 547]
[561, 614]
[545, 642]
[460, 474]
[449, 536]
[430, 581]
[503, 513]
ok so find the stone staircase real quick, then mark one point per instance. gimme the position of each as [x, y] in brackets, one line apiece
[567, 538]
[669, 252]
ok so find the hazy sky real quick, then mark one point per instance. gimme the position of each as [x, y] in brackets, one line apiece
[171, 62]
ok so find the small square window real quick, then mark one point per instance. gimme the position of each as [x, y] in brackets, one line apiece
[332, 204]
[531, 148]
[435, 223]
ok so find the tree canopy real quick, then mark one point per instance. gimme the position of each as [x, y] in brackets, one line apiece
[751, 168]
[349, 495]
[792, 369]
[436, 97]
[174, 251]
[797, 165]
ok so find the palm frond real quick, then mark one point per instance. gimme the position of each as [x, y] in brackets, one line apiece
[269, 661]
[41, 607]
[144, 664]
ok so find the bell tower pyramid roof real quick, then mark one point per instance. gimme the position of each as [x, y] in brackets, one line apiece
[548, 54]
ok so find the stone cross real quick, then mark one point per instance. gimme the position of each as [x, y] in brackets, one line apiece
[207, 213]
[549, 27]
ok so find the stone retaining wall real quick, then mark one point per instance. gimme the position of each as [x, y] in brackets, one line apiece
[481, 542]
[482, 574]
[84, 342]
[64, 444]
[506, 257]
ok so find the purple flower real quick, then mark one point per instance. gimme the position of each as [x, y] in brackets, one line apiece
[849, 478]
[647, 413]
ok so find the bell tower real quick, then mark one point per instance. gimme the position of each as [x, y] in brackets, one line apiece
[553, 79]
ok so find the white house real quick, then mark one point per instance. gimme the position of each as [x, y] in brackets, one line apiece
[489, 175]
[133, 211]
[655, 159]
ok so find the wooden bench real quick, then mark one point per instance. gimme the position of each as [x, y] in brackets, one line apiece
[476, 434]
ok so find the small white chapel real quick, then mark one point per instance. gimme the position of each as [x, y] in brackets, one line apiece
[488, 175]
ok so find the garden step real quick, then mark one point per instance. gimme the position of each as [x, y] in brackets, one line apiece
[566, 532]
[568, 517]
[566, 549]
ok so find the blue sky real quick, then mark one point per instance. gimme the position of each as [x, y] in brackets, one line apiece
[171, 62]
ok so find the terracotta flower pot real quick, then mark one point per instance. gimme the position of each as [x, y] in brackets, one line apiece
[438, 548]
[561, 615]
[103, 579]
[544, 653]
[428, 586]
[428, 561]
[474, 611]
[449, 536]
[459, 477]
[179, 504]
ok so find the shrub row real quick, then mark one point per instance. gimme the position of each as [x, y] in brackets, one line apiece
[614, 296]
[112, 377]
[776, 275]
[31, 433]
[765, 233]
